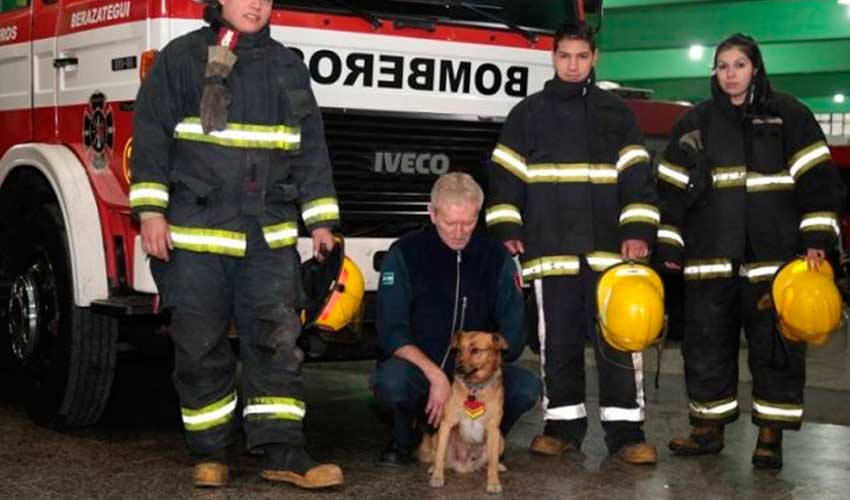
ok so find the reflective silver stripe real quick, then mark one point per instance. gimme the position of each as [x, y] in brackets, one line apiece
[631, 155]
[210, 416]
[777, 182]
[712, 268]
[760, 271]
[550, 266]
[572, 412]
[600, 261]
[241, 135]
[788, 411]
[511, 160]
[671, 236]
[807, 158]
[640, 212]
[820, 221]
[601, 173]
[673, 174]
[723, 177]
[715, 410]
[612, 413]
[320, 212]
[274, 408]
[502, 213]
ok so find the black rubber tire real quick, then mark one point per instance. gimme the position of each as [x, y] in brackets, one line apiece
[70, 374]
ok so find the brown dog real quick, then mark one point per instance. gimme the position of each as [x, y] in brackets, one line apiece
[468, 436]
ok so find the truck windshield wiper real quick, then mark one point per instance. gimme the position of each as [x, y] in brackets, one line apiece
[530, 36]
[361, 13]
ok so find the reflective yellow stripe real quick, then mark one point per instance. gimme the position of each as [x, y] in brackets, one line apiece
[600, 261]
[274, 408]
[148, 194]
[726, 177]
[760, 271]
[777, 411]
[632, 155]
[205, 240]
[640, 212]
[241, 135]
[503, 213]
[558, 265]
[714, 409]
[212, 415]
[673, 174]
[708, 269]
[281, 235]
[808, 157]
[511, 160]
[320, 210]
[820, 221]
[780, 181]
[670, 235]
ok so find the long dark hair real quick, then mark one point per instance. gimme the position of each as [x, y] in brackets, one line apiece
[760, 93]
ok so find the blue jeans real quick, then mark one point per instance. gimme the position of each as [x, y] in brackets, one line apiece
[402, 388]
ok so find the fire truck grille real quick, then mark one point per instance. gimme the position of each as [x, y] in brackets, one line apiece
[384, 166]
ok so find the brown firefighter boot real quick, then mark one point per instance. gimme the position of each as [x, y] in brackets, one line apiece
[291, 464]
[768, 452]
[705, 439]
[210, 475]
[551, 446]
[638, 454]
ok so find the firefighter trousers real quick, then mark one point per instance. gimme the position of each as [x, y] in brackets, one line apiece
[566, 309]
[715, 311]
[260, 293]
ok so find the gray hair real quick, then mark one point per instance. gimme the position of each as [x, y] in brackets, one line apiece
[456, 188]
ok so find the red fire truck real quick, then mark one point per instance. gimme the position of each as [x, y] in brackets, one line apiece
[409, 89]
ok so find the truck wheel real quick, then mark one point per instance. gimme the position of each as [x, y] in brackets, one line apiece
[65, 353]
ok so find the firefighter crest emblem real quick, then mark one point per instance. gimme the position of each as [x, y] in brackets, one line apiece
[98, 131]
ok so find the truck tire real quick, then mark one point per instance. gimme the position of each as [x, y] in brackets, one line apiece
[65, 354]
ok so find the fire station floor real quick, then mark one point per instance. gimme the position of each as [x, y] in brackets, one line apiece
[137, 451]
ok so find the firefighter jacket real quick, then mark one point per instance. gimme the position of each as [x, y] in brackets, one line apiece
[270, 159]
[754, 186]
[428, 291]
[570, 176]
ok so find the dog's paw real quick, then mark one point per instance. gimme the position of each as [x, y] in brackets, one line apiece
[437, 481]
[502, 468]
[494, 487]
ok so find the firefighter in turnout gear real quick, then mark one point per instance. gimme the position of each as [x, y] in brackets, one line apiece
[571, 191]
[228, 144]
[746, 184]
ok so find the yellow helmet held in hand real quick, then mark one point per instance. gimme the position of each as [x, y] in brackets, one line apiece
[630, 306]
[334, 288]
[808, 304]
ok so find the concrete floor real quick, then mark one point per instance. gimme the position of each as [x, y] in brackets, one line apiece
[137, 451]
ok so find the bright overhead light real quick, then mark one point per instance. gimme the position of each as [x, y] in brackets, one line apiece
[844, 2]
[838, 98]
[696, 52]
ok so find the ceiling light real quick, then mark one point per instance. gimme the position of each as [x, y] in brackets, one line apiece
[838, 98]
[844, 2]
[696, 52]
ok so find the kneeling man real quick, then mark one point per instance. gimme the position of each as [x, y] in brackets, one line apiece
[434, 283]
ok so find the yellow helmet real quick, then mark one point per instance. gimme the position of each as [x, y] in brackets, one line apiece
[630, 306]
[334, 288]
[807, 302]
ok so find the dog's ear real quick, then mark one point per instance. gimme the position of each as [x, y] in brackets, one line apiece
[499, 342]
[456, 339]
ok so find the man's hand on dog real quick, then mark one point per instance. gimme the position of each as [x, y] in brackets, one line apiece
[438, 395]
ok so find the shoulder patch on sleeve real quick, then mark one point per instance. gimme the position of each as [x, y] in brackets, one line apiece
[387, 278]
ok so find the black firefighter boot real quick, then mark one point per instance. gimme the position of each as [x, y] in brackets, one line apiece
[705, 439]
[768, 452]
[292, 464]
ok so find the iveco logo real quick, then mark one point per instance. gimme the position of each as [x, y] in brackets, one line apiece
[391, 162]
